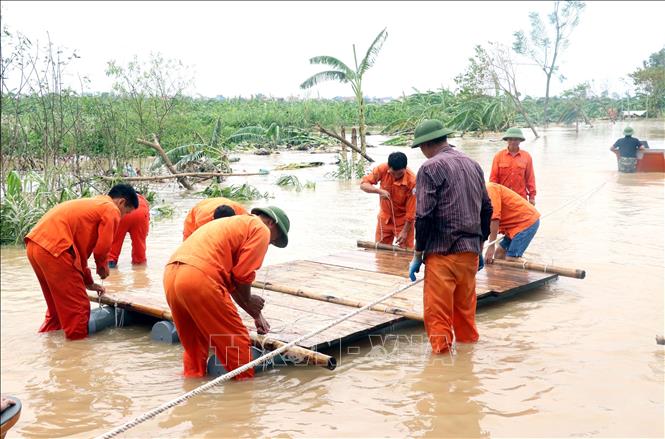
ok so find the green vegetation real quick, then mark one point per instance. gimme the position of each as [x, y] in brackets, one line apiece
[243, 192]
[354, 76]
[26, 200]
[650, 82]
[348, 169]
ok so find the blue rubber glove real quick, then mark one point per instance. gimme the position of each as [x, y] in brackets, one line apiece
[414, 267]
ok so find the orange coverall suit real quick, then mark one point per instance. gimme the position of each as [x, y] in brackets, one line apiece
[403, 204]
[198, 281]
[203, 211]
[514, 172]
[137, 224]
[513, 213]
[58, 248]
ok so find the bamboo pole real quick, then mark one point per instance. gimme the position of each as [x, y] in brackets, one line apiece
[181, 175]
[338, 300]
[545, 268]
[534, 266]
[382, 246]
[346, 142]
[167, 162]
[302, 355]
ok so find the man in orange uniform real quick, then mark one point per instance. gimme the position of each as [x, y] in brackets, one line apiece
[453, 214]
[515, 218]
[137, 224]
[513, 167]
[203, 212]
[218, 262]
[58, 249]
[398, 201]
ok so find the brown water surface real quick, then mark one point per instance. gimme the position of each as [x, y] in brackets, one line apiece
[574, 358]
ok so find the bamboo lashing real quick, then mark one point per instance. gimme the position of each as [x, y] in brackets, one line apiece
[338, 300]
[300, 354]
[210, 384]
[526, 265]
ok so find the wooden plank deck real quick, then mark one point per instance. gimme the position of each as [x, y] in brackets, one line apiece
[362, 274]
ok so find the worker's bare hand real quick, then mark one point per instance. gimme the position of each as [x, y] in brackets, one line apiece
[255, 305]
[103, 271]
[489, 255]
[401, 239]
[384, 193]
[96, 287]
[262, 326]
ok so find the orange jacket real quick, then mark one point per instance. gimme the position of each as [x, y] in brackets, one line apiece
[514, 172]
[513, 212]
[87, 224]
[203, 211]
[229, 250]
[401, 194]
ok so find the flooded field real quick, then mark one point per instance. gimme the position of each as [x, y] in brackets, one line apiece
[574, 358]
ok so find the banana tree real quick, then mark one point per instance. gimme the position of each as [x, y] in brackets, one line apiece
[342, 73]
[214, 152]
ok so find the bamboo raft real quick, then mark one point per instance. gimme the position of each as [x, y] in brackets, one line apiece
[304, 295]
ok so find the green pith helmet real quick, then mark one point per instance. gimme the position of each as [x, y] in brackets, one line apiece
[628, 131]
[281, 219]
[513, 133]
[429, 130]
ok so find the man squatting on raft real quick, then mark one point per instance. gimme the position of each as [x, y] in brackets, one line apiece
[214, 264]
[453, 213]
[58, 248]
[397, 200]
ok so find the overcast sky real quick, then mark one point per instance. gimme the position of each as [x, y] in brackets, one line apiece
[244, 48]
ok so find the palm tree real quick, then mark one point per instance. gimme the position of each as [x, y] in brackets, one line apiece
[343, 73]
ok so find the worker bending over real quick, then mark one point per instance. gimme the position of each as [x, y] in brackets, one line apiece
[58, 248]
[513, 216]
[203, 212]
[216, 263]
[397, 200]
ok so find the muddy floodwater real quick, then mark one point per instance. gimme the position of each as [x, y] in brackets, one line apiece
[573, 358]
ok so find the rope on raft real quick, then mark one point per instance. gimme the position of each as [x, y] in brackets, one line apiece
[184, 397]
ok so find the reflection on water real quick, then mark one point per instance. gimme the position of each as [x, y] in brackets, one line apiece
[576, 357]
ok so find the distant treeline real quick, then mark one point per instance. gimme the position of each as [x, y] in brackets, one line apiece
[103, 125]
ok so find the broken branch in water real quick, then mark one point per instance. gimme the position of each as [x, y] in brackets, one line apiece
[346, 142]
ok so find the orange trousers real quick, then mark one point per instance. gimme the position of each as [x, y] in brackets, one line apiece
[137, 224]
[386, 233]
[68, 306]
[450, 299]
[204, 315]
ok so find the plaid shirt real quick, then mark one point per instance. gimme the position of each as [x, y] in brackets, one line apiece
[453, 210]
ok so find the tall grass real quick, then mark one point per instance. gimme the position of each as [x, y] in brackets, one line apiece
[25, 200]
